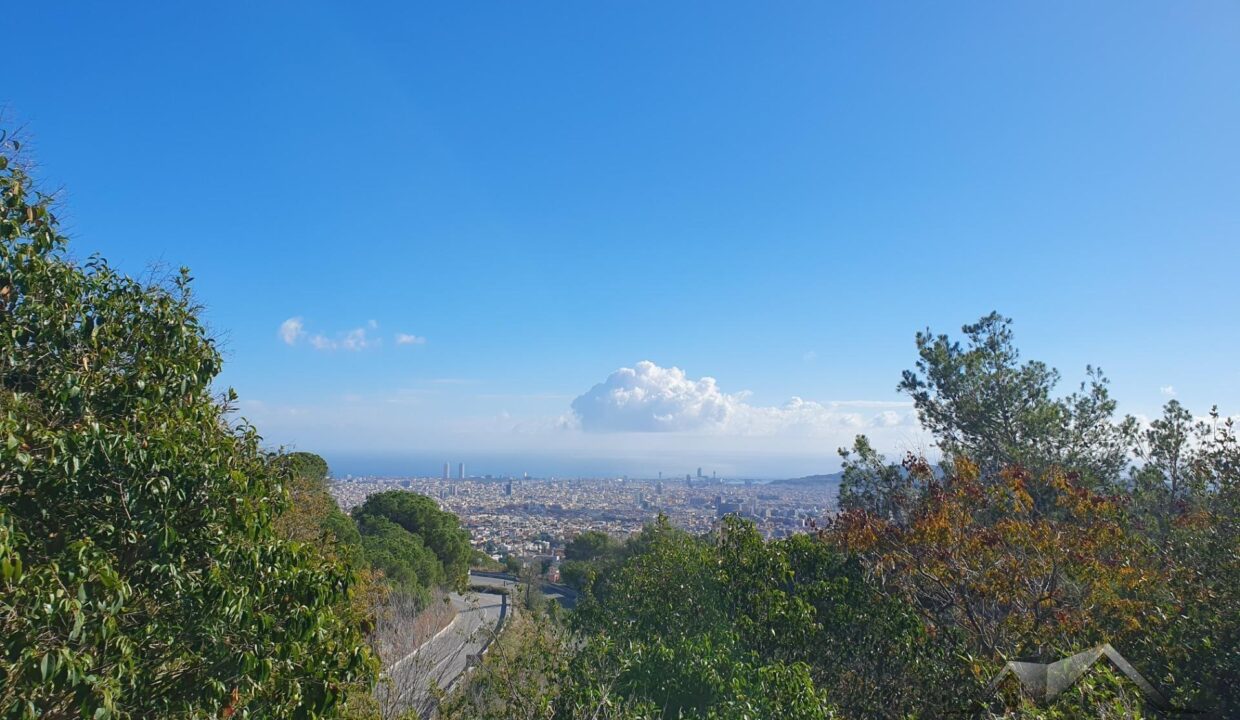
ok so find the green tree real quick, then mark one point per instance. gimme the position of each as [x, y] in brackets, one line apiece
[141, 574]
[1164, 486]
[591, 545]
[312, 515]
[307, 465]
[982, 402]
[408, 565]
[589, 556]
[1188, 494]
[438, 530]
[577, 574]
[878, 487]
[680, 621]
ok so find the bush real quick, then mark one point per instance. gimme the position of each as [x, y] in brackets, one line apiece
[141, 574]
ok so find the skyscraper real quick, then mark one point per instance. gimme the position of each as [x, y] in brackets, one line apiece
[460, 470]
[445, 471]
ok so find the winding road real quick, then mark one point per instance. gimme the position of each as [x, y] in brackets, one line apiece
[441, 661]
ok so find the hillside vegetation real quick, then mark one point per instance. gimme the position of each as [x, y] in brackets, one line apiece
[1049, 527]
[156, 561]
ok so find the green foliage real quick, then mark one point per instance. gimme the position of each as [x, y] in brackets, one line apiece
[312, 515]
[141, 574]
[437, 530]
[873, 485]
[479, 560]
[980, 401]
[730, 625]
[408, 565]
[589, 556]
[591, 545]
[1187, 497]
[536, 670]
[1103, 693]
[1034, 537]
[306, 465]
[578, 574]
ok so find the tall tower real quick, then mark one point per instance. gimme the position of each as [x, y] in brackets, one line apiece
[445, 471]
[460, 470]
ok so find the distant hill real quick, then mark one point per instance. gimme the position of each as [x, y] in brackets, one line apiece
[831, 481]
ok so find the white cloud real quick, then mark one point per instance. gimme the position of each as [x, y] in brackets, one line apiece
[809, 356]
[649, 398]
[356, 339]
[291, 330]
[890, 418]
[353, 341]
[407, 339]
[1167, 390]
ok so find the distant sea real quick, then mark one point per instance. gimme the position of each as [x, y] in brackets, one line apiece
[542, 466]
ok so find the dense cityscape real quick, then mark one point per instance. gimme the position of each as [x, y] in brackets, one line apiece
[533, 518]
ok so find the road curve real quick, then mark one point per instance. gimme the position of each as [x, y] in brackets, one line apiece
[440, 661]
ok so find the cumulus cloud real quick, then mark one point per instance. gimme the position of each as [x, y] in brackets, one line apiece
[291, 330]
[407, 339]
[1167, 390]
[648, 398]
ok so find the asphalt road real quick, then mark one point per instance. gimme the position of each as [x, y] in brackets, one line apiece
[442, 659]
[559, 593]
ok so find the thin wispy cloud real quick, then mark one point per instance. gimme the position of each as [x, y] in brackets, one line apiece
[352, 341]
[291, 330]
[408, 339]
[1167, 390]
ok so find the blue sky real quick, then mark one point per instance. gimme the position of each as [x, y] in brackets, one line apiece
[776, 197]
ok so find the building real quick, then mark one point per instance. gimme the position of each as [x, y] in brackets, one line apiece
[445, 471]
[460, 471]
